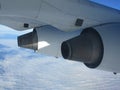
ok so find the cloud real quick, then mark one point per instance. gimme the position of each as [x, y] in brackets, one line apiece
[9, 36]
[22, 69]
[33, 72]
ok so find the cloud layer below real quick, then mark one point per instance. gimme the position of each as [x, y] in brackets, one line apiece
[22, 69]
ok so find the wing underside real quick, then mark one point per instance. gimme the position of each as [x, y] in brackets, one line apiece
[66, 15]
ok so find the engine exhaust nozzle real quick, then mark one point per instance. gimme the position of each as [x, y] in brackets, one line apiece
[28, 40]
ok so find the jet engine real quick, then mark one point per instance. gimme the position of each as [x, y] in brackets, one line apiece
[46, 40]
[97, 47]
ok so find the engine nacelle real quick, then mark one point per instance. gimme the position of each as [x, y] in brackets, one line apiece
[87, 47]
[97, 47]
[46, 40]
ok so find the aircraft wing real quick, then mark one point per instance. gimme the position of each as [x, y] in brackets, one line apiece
[66, 15]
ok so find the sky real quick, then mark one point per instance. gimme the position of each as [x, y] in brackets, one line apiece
[22, 69]
[111, 3]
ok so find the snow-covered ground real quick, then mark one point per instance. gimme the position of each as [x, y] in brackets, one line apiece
[22, 69]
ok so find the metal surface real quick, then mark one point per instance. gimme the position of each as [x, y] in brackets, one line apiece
[87, 48]
[28, 40]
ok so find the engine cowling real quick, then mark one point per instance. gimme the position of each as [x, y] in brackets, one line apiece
[87, 47]
[46, 40]
[97, 47]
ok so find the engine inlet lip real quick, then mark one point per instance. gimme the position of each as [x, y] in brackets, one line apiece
[96, 63]
[66, 50]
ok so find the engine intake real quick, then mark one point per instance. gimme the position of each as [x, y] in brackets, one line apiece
[87, 47]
